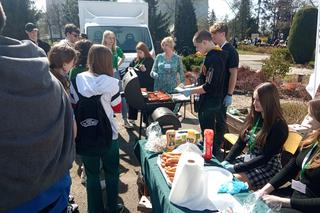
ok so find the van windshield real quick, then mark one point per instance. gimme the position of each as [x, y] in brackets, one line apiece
[127, 37]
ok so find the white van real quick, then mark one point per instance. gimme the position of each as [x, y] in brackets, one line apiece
[128, 20]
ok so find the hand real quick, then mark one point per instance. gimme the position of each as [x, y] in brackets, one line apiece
[227, 100]
[155, 75]
[223, 163]
[230, 167]
[275, 200]
[260, 193]
[185, 91]
[142, 68]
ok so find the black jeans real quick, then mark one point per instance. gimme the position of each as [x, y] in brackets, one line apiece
[212, 115]
[133, 114]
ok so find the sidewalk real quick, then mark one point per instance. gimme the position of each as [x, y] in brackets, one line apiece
[255, 63]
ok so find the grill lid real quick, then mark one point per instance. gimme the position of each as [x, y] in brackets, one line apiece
[132, 91]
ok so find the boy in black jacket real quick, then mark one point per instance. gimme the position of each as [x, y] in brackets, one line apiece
[211, 89]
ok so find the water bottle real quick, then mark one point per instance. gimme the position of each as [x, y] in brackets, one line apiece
[208, 143]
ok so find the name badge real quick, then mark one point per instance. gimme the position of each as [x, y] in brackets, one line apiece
[247, 158]
[167, 66]
[298, 186]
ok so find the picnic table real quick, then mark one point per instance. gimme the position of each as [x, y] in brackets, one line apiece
[159, 190]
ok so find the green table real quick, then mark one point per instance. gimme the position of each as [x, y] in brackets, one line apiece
[159, 190]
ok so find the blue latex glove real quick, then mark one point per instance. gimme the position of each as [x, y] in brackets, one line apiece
[223, 163]
[227, 100]
[185, 91]
[155, 75]
[230, 167]
[233, 187]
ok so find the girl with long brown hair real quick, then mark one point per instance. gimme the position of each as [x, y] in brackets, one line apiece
[264, 133]
[142, 64]
[99, 81]
[304, 171]
[312, 119]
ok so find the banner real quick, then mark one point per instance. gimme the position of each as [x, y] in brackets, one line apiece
[314, 80]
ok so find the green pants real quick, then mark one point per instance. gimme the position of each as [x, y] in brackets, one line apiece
[110, 163]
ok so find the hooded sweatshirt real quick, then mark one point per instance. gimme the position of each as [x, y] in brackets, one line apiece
[36, 148]
[90, 84]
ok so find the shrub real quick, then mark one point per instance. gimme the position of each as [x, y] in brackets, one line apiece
[278, 64]
[247, 79]
[294, 112]
[252, 48]
[302, 35]
[294, 90]
[192, 61]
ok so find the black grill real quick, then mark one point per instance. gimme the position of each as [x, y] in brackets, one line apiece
[134, 97]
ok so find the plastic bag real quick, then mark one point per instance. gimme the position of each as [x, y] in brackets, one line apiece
[155, 142]
[188, 147]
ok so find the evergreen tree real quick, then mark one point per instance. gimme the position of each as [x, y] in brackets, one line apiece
[70, 12]
[302, 39]
[158, 24]
[212, 18]
[19, 12]
[185, 27]
[244, 15]
[279, 13]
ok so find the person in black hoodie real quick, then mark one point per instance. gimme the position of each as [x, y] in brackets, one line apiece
[142, 65]
[211, 87]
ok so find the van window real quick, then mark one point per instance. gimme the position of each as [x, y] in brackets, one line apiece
[127, 37]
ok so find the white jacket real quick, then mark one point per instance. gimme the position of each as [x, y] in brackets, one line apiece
[90, 84]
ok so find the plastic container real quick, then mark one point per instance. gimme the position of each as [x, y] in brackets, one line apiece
[171, 139]
[208, 143]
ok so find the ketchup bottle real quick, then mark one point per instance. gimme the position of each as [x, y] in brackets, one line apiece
[208, 143]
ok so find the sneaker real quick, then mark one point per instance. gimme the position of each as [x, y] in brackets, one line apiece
[83, 177]
[133, 122]
[143, 125]
[119, 208]
[178, 114]
[103, 184]
[127, 125]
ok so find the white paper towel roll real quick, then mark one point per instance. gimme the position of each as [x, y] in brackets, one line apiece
[189, 185]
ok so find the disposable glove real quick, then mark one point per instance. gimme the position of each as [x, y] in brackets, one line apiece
[227, 100]
[154, 75]
[223, 163]
[233, 187]
[230, 167]
[185, 91]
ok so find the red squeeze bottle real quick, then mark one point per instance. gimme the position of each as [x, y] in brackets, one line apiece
[208, 143]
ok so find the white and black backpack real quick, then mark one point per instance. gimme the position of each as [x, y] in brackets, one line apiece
[93, 125]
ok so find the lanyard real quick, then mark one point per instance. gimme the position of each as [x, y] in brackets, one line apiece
[306, 164]
[252, 142]
[140, 62]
